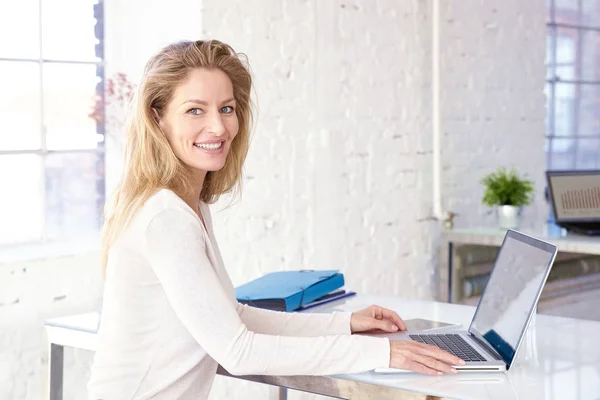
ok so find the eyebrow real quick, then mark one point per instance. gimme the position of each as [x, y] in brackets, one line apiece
[204, 103]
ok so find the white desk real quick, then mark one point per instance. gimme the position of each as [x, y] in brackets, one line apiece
[571, 243]
[560, 360]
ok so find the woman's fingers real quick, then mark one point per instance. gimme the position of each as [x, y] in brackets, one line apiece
[434, 364]
[421, 368]
[423, 358]
[436, 352]
[385, 325]
[394, 317]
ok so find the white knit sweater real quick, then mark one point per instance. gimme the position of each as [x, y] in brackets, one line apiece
[170, 315]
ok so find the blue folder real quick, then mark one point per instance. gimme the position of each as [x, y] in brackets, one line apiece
[288, 290]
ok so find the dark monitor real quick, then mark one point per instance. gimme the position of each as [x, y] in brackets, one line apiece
[575, 196]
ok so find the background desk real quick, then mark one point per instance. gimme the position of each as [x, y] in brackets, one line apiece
[450, 274]
[560, 360]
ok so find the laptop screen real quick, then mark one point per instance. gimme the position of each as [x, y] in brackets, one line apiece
[520, 271]
[575, 195]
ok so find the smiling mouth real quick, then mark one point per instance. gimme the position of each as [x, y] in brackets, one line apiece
[209, 146]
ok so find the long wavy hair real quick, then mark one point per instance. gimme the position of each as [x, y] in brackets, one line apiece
[150, 163]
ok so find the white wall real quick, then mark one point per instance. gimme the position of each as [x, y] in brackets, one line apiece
[30, 293]
[344, 136]
[493, 102]
[339, 173]
[339, 144]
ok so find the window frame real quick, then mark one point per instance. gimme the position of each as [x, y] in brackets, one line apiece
[20, 249]
[552, 79]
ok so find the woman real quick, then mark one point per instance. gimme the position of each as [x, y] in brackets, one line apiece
[170, 313]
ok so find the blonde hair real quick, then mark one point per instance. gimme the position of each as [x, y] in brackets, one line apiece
[150, 163]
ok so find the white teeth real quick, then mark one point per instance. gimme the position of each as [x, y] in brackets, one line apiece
[211, 146]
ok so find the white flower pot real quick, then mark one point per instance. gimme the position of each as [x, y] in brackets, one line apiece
[509, 217]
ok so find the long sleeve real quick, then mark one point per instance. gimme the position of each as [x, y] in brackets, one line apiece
[294, 324]
[175, 248]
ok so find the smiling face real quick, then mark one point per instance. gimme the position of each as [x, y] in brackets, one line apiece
[200, 121]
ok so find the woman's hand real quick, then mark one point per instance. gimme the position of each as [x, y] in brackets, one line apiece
[375, 318]
[423, 358]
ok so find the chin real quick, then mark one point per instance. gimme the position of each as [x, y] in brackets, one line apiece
[210, 167]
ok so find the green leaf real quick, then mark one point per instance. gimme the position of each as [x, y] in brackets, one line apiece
[506, 188]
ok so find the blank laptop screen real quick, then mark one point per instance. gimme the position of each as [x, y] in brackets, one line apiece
[520, 270]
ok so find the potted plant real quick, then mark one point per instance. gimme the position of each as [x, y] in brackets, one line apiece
[508, 192]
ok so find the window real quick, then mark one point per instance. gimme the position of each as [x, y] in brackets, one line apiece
[51, 149]
[573, 84]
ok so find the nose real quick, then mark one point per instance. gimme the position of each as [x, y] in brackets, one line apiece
[215, 124]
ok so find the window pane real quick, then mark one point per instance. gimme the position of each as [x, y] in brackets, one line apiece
[20, 19]
[563, 151]
[69, 91]
[590, 57]
[588, 151]
[20, 127]
[74, 194]
[21, 201]
[68, 29]
[564, 109]
[591, 13]
[566, 47]
[566, 10]
[589, 110]
[566, 40]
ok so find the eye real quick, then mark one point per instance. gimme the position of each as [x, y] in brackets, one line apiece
[195, 111]
[227, 109]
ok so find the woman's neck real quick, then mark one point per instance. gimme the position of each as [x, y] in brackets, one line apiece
[194, 197]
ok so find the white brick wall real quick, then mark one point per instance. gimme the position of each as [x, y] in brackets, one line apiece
[30, 293]
[336, 132]
[339, 173]
[493, 102]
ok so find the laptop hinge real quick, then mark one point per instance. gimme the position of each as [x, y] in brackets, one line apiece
[486, 347]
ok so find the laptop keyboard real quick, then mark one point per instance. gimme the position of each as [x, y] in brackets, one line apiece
[452, 343]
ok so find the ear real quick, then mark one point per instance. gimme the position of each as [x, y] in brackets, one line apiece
[157, 117]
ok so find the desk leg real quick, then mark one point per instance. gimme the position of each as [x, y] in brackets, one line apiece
[450, 270]
[282, 393]
[55, 375]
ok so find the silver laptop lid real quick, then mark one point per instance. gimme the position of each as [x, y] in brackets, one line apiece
[512, 292]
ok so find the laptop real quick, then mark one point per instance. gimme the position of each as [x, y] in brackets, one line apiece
[575, 199]
[504, 310]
